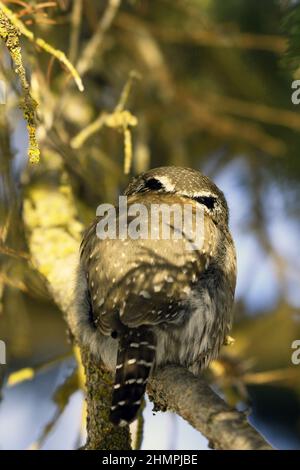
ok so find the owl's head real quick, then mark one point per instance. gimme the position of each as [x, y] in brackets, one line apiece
[186, 182]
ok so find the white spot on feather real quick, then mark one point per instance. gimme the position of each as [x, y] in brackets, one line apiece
[145, 294]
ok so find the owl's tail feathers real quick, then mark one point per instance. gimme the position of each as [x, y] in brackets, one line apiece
[136, 355]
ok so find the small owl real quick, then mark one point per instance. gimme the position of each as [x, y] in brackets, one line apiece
[145, 302]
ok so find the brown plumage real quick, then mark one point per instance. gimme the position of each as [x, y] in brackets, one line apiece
[143, 303]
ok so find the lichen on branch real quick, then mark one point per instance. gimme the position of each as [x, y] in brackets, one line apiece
[11, 28]
[59, 55]
[120, 119]
[9, 33]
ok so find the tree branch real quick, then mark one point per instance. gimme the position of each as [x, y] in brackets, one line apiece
[177, 389]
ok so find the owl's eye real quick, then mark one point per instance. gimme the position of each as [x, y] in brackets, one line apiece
[208, 201]
[153, 184]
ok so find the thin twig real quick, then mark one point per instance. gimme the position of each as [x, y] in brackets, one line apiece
[93, 46]
[176, 389]
[202, 37]
[75, 29]
[119, 119]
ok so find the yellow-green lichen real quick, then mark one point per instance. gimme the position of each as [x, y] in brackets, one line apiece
[9, 33]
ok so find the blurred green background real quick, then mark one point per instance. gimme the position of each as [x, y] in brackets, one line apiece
[211, 90]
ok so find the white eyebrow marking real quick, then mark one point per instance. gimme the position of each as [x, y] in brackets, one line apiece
[166, 182]
[205, 194]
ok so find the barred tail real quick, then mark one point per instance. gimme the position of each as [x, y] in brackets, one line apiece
[135, 359]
